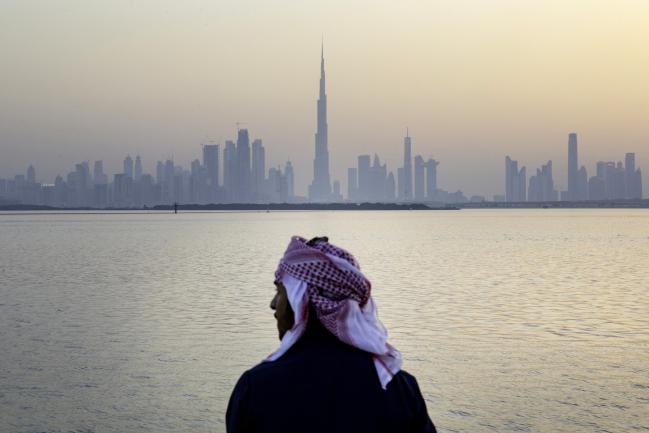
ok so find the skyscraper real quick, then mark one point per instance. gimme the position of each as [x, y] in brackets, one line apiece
[609, 175]
[122, 190]
[400, 183]
[197, 182]
[431, 178]
[99, 177]
[406, 188]
[159, 172]
[390, 188]
[168, 182]
[320, 188]
[82, 184]
[420, 176]
[243, 185]
[230, 169]
[582, 184]
[337, 196]
[633, 177]
[597, 188]
[352, 183]
[290, 180]
[31, 174]
[542, 184]
[364, 178]
[515, 181]
[211, 164]
[258, 169]
[629, 163]
[378, 175]
[573, 168]
[138, 168]
[128, 166]
[629, 175]
[615, 181]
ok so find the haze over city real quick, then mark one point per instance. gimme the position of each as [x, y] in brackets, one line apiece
[473, 82]
[229, 216]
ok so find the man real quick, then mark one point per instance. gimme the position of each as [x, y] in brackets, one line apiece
[334, 370]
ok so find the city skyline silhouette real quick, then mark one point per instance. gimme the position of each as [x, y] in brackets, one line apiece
[235, 172]
[472, 85]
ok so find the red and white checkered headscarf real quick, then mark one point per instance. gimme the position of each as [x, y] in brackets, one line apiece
[329, 278]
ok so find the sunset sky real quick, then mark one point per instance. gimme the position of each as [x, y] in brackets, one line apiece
[472, 80]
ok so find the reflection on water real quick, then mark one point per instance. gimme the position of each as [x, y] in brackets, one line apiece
[514, 320]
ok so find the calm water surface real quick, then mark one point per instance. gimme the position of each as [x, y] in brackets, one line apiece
[513, 320]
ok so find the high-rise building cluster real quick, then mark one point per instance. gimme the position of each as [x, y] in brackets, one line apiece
[236, 173]
[542, 185]
[370, 181]
[244, 181]
[613, 181]
[616, 180]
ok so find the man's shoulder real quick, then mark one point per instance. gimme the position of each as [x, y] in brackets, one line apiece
[267, 371]
[404, 378]
[262, 369]
[404, 375]
[270, 371]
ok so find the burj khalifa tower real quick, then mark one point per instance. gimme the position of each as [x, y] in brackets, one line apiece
[320, 188]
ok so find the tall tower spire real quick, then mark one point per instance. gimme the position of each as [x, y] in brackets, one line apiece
[322, 76]
[320, 188]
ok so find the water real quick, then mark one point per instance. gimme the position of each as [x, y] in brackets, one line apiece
[511, 320]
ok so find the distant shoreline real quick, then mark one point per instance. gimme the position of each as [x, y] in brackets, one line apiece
[237, 207]
[604, 204]
[586, 204]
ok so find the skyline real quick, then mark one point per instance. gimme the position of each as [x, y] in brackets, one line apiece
[472, 84]
[241, 178]
[220, 170]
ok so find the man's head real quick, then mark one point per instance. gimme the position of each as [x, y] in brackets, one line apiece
[283, 311]
[325, 282]
[280, 304]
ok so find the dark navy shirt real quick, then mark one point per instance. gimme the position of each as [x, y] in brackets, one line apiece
[324, 385]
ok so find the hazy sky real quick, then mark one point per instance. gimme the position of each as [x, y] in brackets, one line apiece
[473, 80]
